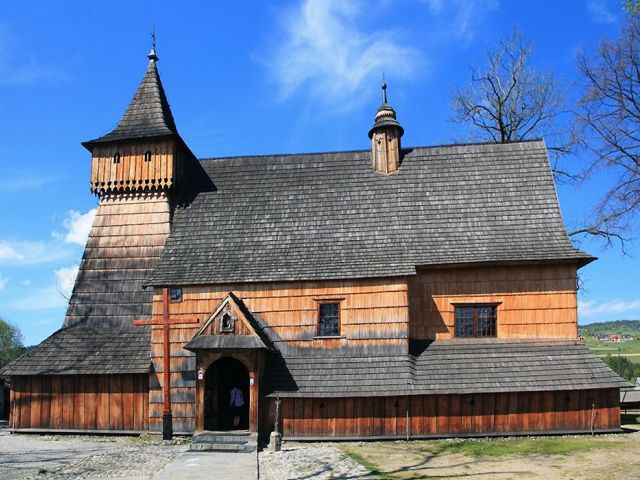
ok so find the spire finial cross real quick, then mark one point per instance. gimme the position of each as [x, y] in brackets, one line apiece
[152, 54]
[384, 90]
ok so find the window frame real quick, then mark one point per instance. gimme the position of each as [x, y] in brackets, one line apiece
[176, 289]
[476, 307]
[329, 301]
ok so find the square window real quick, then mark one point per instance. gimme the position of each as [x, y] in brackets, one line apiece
[329, 324]
[175, 294]
[475, 321]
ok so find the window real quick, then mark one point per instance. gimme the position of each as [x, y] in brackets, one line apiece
[329, 320]
[116, 157]
[147, 156]
[475, 320]
[175, 294]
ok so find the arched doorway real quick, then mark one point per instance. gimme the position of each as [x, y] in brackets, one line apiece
[221, 378]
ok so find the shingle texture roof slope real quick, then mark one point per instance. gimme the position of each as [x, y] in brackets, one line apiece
[87, 350]
[444, 367]
[148, 114]
[329, 216]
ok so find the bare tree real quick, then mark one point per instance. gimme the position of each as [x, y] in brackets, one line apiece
[610, 114]
[509, 101]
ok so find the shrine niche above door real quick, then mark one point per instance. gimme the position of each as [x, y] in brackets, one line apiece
[230, 326]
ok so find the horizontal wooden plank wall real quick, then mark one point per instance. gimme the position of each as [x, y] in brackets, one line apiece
[80, 402]
[535, 301]
[373, 312]
[434, 415]
[370, 310]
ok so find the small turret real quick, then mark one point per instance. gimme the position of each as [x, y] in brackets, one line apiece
[385, 138]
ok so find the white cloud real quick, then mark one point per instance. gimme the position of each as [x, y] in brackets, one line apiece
[9, 253]
[3, 282]
[601, 10]
[460, 17]
[325, 49]
[65, 279]
[591, 307]
[26, 282]
[17, 180]
[77, 226]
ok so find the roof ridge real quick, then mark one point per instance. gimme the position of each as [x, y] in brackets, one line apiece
[362, 150]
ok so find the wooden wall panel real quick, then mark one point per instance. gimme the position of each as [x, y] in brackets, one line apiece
[534, 301]
[80, 402]
[369, 309]
[446, 415]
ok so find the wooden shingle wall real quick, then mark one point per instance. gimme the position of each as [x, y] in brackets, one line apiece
[124, 244]
[534, 301]
[80, 402]
[373, 314]
[445, 415]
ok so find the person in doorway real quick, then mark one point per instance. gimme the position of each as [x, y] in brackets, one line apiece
[236, 401]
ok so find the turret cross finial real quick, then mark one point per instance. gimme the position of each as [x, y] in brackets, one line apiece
[384, 90]
[152, 54]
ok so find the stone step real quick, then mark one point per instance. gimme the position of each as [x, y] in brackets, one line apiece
[222, 447]
[224, 441]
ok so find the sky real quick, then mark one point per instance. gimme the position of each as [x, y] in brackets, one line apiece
[253, 77]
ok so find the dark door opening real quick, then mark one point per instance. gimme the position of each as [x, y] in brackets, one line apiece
[221, 378]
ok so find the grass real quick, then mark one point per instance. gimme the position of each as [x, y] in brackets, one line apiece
[603, 348]
[517, 447]
[393, 460]
[373, 469]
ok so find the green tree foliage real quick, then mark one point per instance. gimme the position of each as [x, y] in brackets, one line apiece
[623, 367]
[11, 346]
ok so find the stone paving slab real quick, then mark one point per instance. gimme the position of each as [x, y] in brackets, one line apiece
[211, 465]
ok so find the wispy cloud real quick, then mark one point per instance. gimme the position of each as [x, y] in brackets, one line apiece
[65, 279]
[18, 67]
[3, 282]
[602, 11]
[32, 253]
[77, 226]
[591, 307]
[460, 17]
[46, 298]
[326, 50]
[17, 180]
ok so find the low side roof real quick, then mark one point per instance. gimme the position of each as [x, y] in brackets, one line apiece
[87, 350]
[444, 367]
[329, 216]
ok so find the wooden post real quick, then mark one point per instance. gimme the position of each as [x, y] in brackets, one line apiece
[167, 421]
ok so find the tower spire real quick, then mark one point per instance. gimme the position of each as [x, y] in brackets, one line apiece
[385, 137]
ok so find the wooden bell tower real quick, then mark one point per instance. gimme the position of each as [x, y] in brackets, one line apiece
[144, 152]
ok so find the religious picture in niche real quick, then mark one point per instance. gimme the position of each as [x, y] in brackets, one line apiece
[227, 322]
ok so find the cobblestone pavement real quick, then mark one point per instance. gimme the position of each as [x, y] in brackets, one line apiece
[61, 457]
[309, 461]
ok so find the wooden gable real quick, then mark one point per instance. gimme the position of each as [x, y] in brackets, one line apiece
[231, 325]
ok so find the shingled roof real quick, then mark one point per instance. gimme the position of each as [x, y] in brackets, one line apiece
[443, 367]
[329, 216]
[148, 114]
[87, 350]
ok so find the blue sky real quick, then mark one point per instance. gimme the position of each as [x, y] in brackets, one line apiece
[250, 78]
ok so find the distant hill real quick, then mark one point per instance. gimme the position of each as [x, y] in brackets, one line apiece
[628, 327]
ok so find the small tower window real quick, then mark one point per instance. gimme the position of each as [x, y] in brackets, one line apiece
[147, 156]
[116, 157]
[329, 319]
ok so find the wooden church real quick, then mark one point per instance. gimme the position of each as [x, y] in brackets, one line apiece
[390, 292]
